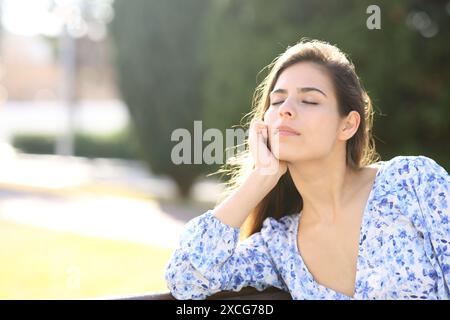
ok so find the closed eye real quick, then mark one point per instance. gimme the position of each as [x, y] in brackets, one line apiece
[307, 102]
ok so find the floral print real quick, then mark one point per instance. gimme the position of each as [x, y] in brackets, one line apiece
[404, 250]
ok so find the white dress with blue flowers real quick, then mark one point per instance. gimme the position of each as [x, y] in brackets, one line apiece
[404, 249]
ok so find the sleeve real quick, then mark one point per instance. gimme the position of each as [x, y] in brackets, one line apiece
[433, 194]
[209, 259]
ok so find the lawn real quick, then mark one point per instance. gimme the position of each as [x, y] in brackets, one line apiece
[42, 264]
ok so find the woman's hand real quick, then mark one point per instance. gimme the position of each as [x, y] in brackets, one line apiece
[261, 180]
[264, 160]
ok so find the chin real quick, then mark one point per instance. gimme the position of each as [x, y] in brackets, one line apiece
[286, 156]
[284, 150]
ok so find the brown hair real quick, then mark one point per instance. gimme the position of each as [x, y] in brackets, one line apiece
[284, 198]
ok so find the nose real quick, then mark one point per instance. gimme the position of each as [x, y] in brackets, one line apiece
[286, 109]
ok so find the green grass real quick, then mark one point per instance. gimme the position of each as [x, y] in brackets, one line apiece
[42, 264]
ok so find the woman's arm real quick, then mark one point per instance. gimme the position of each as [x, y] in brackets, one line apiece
[236, 207]
[268, 170]
[433, 193]
[209, 258]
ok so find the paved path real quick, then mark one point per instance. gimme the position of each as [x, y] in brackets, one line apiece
[111, 199]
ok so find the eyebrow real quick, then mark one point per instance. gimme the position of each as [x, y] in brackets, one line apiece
[304, 89]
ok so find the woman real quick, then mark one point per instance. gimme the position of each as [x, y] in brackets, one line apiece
[323, 219]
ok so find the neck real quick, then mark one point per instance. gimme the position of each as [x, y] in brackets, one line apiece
[325, 187]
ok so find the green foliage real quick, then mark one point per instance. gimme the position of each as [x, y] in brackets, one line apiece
[34, 143]
[119, 145]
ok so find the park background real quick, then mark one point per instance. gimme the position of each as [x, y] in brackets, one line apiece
[91, 204]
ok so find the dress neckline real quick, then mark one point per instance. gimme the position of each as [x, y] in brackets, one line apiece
[362, 231]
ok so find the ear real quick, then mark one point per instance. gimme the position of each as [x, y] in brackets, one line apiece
[349, 125]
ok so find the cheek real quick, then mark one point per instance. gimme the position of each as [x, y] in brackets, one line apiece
[320, 126]
[270, 116]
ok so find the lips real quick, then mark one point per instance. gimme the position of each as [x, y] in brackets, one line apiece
[286, 131]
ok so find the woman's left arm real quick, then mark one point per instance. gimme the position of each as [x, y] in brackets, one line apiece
[432, 188]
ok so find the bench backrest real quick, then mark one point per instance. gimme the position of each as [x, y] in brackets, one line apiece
[247, 293]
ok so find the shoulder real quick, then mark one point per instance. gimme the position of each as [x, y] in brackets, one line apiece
[274, 229]
[277, 235]
[405, 182]
[421, 177]
[282, 224]
[414, 169]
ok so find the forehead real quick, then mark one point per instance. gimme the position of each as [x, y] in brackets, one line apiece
[304, 74]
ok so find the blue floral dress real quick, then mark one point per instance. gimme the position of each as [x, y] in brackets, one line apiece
[404, 250]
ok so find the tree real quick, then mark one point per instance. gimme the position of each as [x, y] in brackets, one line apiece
[158, 53]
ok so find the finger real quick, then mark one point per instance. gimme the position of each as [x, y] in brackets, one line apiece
[254, 131]
[264, 155]
[258, 142]
[264, 133]
[253, 141]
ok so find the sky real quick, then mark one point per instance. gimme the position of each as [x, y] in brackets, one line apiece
[30, 17]
[39, 17]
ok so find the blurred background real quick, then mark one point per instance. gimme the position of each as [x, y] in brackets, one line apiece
[91, 204]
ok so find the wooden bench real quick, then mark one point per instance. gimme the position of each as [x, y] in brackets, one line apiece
[247, 293]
